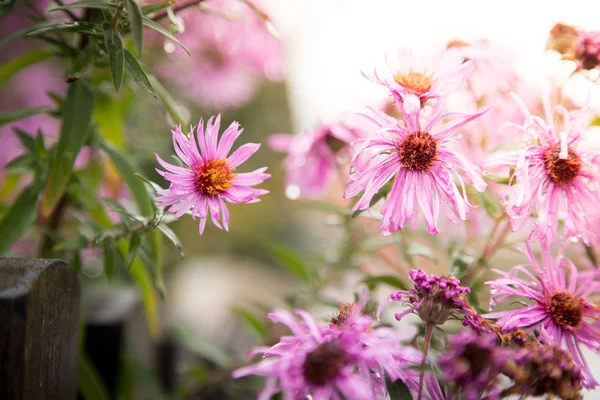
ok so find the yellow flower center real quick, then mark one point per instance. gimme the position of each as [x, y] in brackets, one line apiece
[214, 177]
[414, 82]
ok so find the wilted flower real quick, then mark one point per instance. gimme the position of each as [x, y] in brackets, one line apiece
[208, 178]
[414, 80]
[312, 157]
[557, 177]
[416, 153]
[474, 364]
[434, 298]
[560, 308]
[346, 359]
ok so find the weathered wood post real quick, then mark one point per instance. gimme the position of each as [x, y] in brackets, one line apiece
[39, 318]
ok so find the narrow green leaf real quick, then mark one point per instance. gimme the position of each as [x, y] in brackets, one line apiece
[116, 58]
[201, 346]
[135, 20]
[82, 62]
[27, 141]
[76, 121]
[15, 65]
[158, 28]
[172, 236]
[172, 107]
[134, 243]
[251, 322]
[20, 216]
[135, 69]
[83, 27]
[95, 4]
[22, 114]
[153, 8]
[109, 260]
[89, 382]
[288, 259]
[391, 280]
[143, 280]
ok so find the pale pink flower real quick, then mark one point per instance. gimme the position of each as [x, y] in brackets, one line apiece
[312, 157]
[231, 54]
[414, 80]
[556, 176]
[559, 307]
[207, 180]
[416, 153]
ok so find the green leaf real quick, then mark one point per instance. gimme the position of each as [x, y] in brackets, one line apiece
[22, 114]
[76, 120]
[168, 101]
[109, 115]
[95, 4]
[89, 382]
[490, 203]
[201, 346]
[135, 20]
[460, 262]
[27, 141]
[20, 216]
[153, 8]
[82, 62]
[251, 322]
[147, 380]
[15, 65]
[109, 260]
[417, 249]
[134, 243]
[158, 28]
[373, 281]
[288, 259]
[83, 27]
[143, 280]
[116, 58]
[6, 6]
[398, 390]
[135, 69]
[172, 236]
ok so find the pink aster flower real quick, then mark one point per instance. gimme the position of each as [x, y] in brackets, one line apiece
[345, 360]
[559, 309]
[312, 157]
[556, 176]
[416, 153]
[414, 80]
[208, 180]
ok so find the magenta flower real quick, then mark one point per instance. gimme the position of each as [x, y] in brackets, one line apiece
[414, 80]
[474, 364]
[433, 298]
[232, 53]
[417, 154]
[312, 157]
[556, 176]
[346, 360]
[587, 51]
[559, 309]
[208, 179]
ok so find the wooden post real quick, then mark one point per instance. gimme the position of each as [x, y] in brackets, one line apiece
[39, 319]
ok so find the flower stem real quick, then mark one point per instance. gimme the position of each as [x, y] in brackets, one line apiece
[428, 333]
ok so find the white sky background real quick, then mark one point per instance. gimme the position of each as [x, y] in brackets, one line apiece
[328, 43]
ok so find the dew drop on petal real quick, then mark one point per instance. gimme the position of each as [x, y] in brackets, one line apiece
[574, 239]
[292, 192]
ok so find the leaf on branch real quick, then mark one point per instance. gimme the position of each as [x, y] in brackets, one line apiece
[76, 121]
[251, 322]
[83, 27]
[172, 236]
[20, 216]
[288, 259]
[139, 75]
[159, 28]
[116, 58]
[15, 65]
[95, 4]
[17, 115]
[373, 281]
[135, 20]
[134, 243]
[154, 8]
[82, 62]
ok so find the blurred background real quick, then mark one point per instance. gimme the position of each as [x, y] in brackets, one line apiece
[304, 66]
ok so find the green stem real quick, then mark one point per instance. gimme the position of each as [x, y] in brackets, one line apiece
[428, 333]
